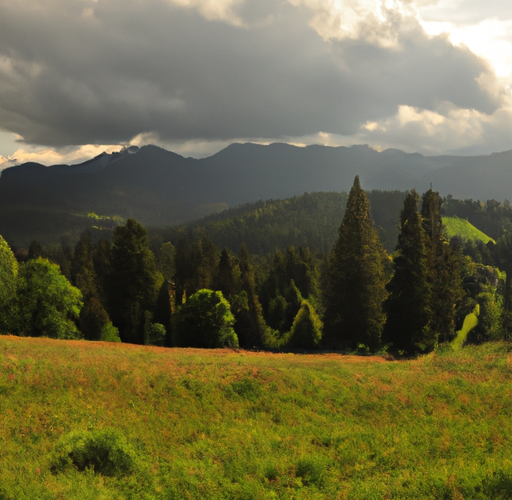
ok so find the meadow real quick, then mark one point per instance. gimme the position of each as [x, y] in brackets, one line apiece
[455, 226]
[91, 420]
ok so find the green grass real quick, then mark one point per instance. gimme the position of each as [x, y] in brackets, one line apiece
[470, 322]
[192, 424]
[461, 227]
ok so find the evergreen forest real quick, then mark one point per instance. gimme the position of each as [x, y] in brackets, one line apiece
[359, 272]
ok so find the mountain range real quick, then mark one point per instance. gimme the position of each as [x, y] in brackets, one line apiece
[159, 187]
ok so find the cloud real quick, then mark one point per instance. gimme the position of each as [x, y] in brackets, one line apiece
[52, 156]
[75, 73]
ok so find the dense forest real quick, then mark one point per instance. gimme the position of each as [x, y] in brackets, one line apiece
[358, 272]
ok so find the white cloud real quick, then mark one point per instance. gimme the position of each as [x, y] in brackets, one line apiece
[52, 156]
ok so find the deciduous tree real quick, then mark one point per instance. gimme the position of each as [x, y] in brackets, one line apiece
[205, 320]
[47, 304]
[8, 276]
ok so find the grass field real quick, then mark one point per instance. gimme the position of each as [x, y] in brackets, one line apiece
[198, 424]
[461, 227]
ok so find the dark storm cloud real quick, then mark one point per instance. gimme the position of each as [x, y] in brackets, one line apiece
[102, 72]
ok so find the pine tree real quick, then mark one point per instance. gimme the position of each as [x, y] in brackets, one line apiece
[133, 281]
[356, 288]
[306, 331]
[227, 278]
[250, 325]
[444, 268]
[504, 258]
[408, 306]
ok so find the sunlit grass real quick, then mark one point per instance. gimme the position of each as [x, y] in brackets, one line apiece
[470, 322]
[455, 226]
[238, 425]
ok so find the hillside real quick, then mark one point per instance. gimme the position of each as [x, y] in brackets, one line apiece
[310, 220]
[159, 187]
[463, 228]
[241, 425]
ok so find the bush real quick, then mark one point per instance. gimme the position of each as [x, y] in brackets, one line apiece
[155, 334]
[105, 451]
[109, 333]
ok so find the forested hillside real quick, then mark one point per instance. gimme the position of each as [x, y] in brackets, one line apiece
[310, 220]
[298, 273]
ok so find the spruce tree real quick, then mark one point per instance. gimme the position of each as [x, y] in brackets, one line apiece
[408, 306]
[356, 289]
[133, 281]
[444, 268]
[250, 325]
[306, 331]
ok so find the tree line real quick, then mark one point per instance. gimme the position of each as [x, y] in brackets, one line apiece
[188, 293]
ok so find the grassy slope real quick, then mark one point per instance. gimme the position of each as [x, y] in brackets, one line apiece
[461, 227]
[228, 425]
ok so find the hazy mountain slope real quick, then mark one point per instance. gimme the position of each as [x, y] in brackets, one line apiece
[478, 177]
[159, 187]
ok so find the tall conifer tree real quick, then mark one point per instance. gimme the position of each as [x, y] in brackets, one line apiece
[133, 281]
[250, 325]
[356, 291]
[444, 268]
[408, 306]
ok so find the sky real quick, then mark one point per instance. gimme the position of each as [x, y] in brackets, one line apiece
[79, 77]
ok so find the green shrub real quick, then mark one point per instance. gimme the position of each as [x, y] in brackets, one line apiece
[155, 334]
[105, 451]
[311, 470]
[109, 333]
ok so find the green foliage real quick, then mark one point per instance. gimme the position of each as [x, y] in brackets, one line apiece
[133, 281]
[205, 320]
[408, 305]
[104, 451]
[444, 268]
[47, 304]
[292, 277]
[470, 322]
[196, 264]
[306, 331]
[227, 277]
[8, 277]
[109, 333]
[308, 221]
[93, 318]
[491, 217]
[356, 287]
[504, 258]
[156, 334]
[250, 324]
[490, 319]
[166, 259]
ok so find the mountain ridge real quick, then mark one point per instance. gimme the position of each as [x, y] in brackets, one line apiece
[160, 187]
